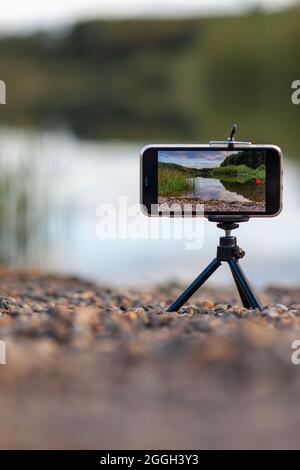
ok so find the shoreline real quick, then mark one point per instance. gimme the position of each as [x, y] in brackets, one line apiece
[217, 206]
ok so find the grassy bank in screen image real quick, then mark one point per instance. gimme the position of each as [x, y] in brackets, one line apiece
[225, 181]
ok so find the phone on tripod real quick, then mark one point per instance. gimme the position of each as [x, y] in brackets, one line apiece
[223, 178]
[231, 180]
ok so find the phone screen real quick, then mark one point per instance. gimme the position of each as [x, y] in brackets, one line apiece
[224, 181]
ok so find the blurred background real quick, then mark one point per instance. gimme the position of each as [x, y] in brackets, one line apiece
[89, 83]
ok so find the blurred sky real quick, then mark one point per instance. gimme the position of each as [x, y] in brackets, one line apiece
[26, 15]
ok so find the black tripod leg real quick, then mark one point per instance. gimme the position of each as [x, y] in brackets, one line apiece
[244, 285]
[189, 291]
[243, 297]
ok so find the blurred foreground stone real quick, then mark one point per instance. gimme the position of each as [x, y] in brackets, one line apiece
[92, 367]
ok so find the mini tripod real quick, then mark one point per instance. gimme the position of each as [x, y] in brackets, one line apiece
[228, 251]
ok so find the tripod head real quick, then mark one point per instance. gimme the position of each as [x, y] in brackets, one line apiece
[228, 222]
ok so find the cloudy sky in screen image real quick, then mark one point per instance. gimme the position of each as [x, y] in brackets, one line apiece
[193, 158]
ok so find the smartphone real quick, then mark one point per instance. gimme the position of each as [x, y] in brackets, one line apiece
[239, 180]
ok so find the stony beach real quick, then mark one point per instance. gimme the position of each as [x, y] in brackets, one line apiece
[94, 367]
[216, 206]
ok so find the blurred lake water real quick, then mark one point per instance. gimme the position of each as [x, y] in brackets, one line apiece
[51, 184]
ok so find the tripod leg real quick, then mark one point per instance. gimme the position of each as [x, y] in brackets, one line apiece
[244, 285]
[189, 291]
[243, 297]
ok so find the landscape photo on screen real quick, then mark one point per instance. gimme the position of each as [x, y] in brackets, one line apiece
[221, 180]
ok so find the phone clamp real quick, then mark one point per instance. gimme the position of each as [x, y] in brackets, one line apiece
[227, 251]
[230, 142]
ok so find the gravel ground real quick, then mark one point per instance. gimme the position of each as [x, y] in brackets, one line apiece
[91, 367]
